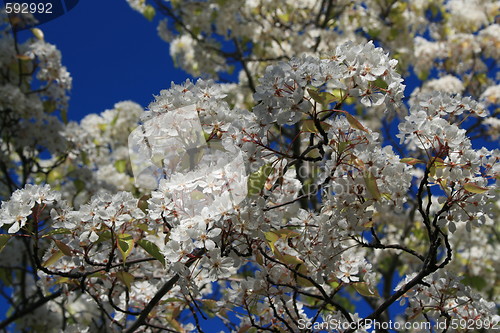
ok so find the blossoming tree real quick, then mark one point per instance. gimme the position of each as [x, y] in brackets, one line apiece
[313, 187]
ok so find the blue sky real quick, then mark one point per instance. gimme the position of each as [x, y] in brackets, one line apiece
[113, 53]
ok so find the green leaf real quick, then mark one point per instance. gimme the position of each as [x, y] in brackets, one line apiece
[371, 185]
[59, 231]
[37, 33]
[315, 153]
[482, 78]
[423, 75]
[144, 227]
[152, 249]
[309, 125]
[315, 95]
[271, 238]
[302, 269]
[175, 324]
[291, 260]
[387, 196]
[322, 97]
[53, 259]
[64, 116]
[379, 82]
[85, 158]
[362, 289]
[439, 163]
[368, 223]
[287, 233]
[115, 119]
[143, 204]
[54, 176]
[476, 282]
[374, 33]
[342, 146]
[338, 94]
[79, 185]
[411, 160]
[259, 258]
[6, 276]
[209, 306]
[63, 247]
[436, 163]
[257, 180]
[354, 122]
[329, 97]
[149, 12]
[125, 245]
[206, 135]
[171, 300]
[62, 280]
[197, 195]
[49, 106]
[23, 57]
[4, 239]
[450, 291]
[103, 236]
[121, 166]
[99, 275]
[474, 188]
[334, 283]
[126, 278]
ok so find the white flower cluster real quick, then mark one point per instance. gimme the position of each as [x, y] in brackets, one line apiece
[359, 178]
[217, 119]
[447, 84]
[51, 71]
[432, 118]
[359, 70]
[98, 147]
[103, 211]
[350, 265]
[138, 5]
[16, 210]
[30, 95]
[444, 293]
[432, 126]
[189, 131]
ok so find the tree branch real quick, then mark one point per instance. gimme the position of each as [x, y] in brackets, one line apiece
[162, 292]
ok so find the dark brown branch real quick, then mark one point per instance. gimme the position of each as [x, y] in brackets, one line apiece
[326, 298]
[31, 308]
[162, 292]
